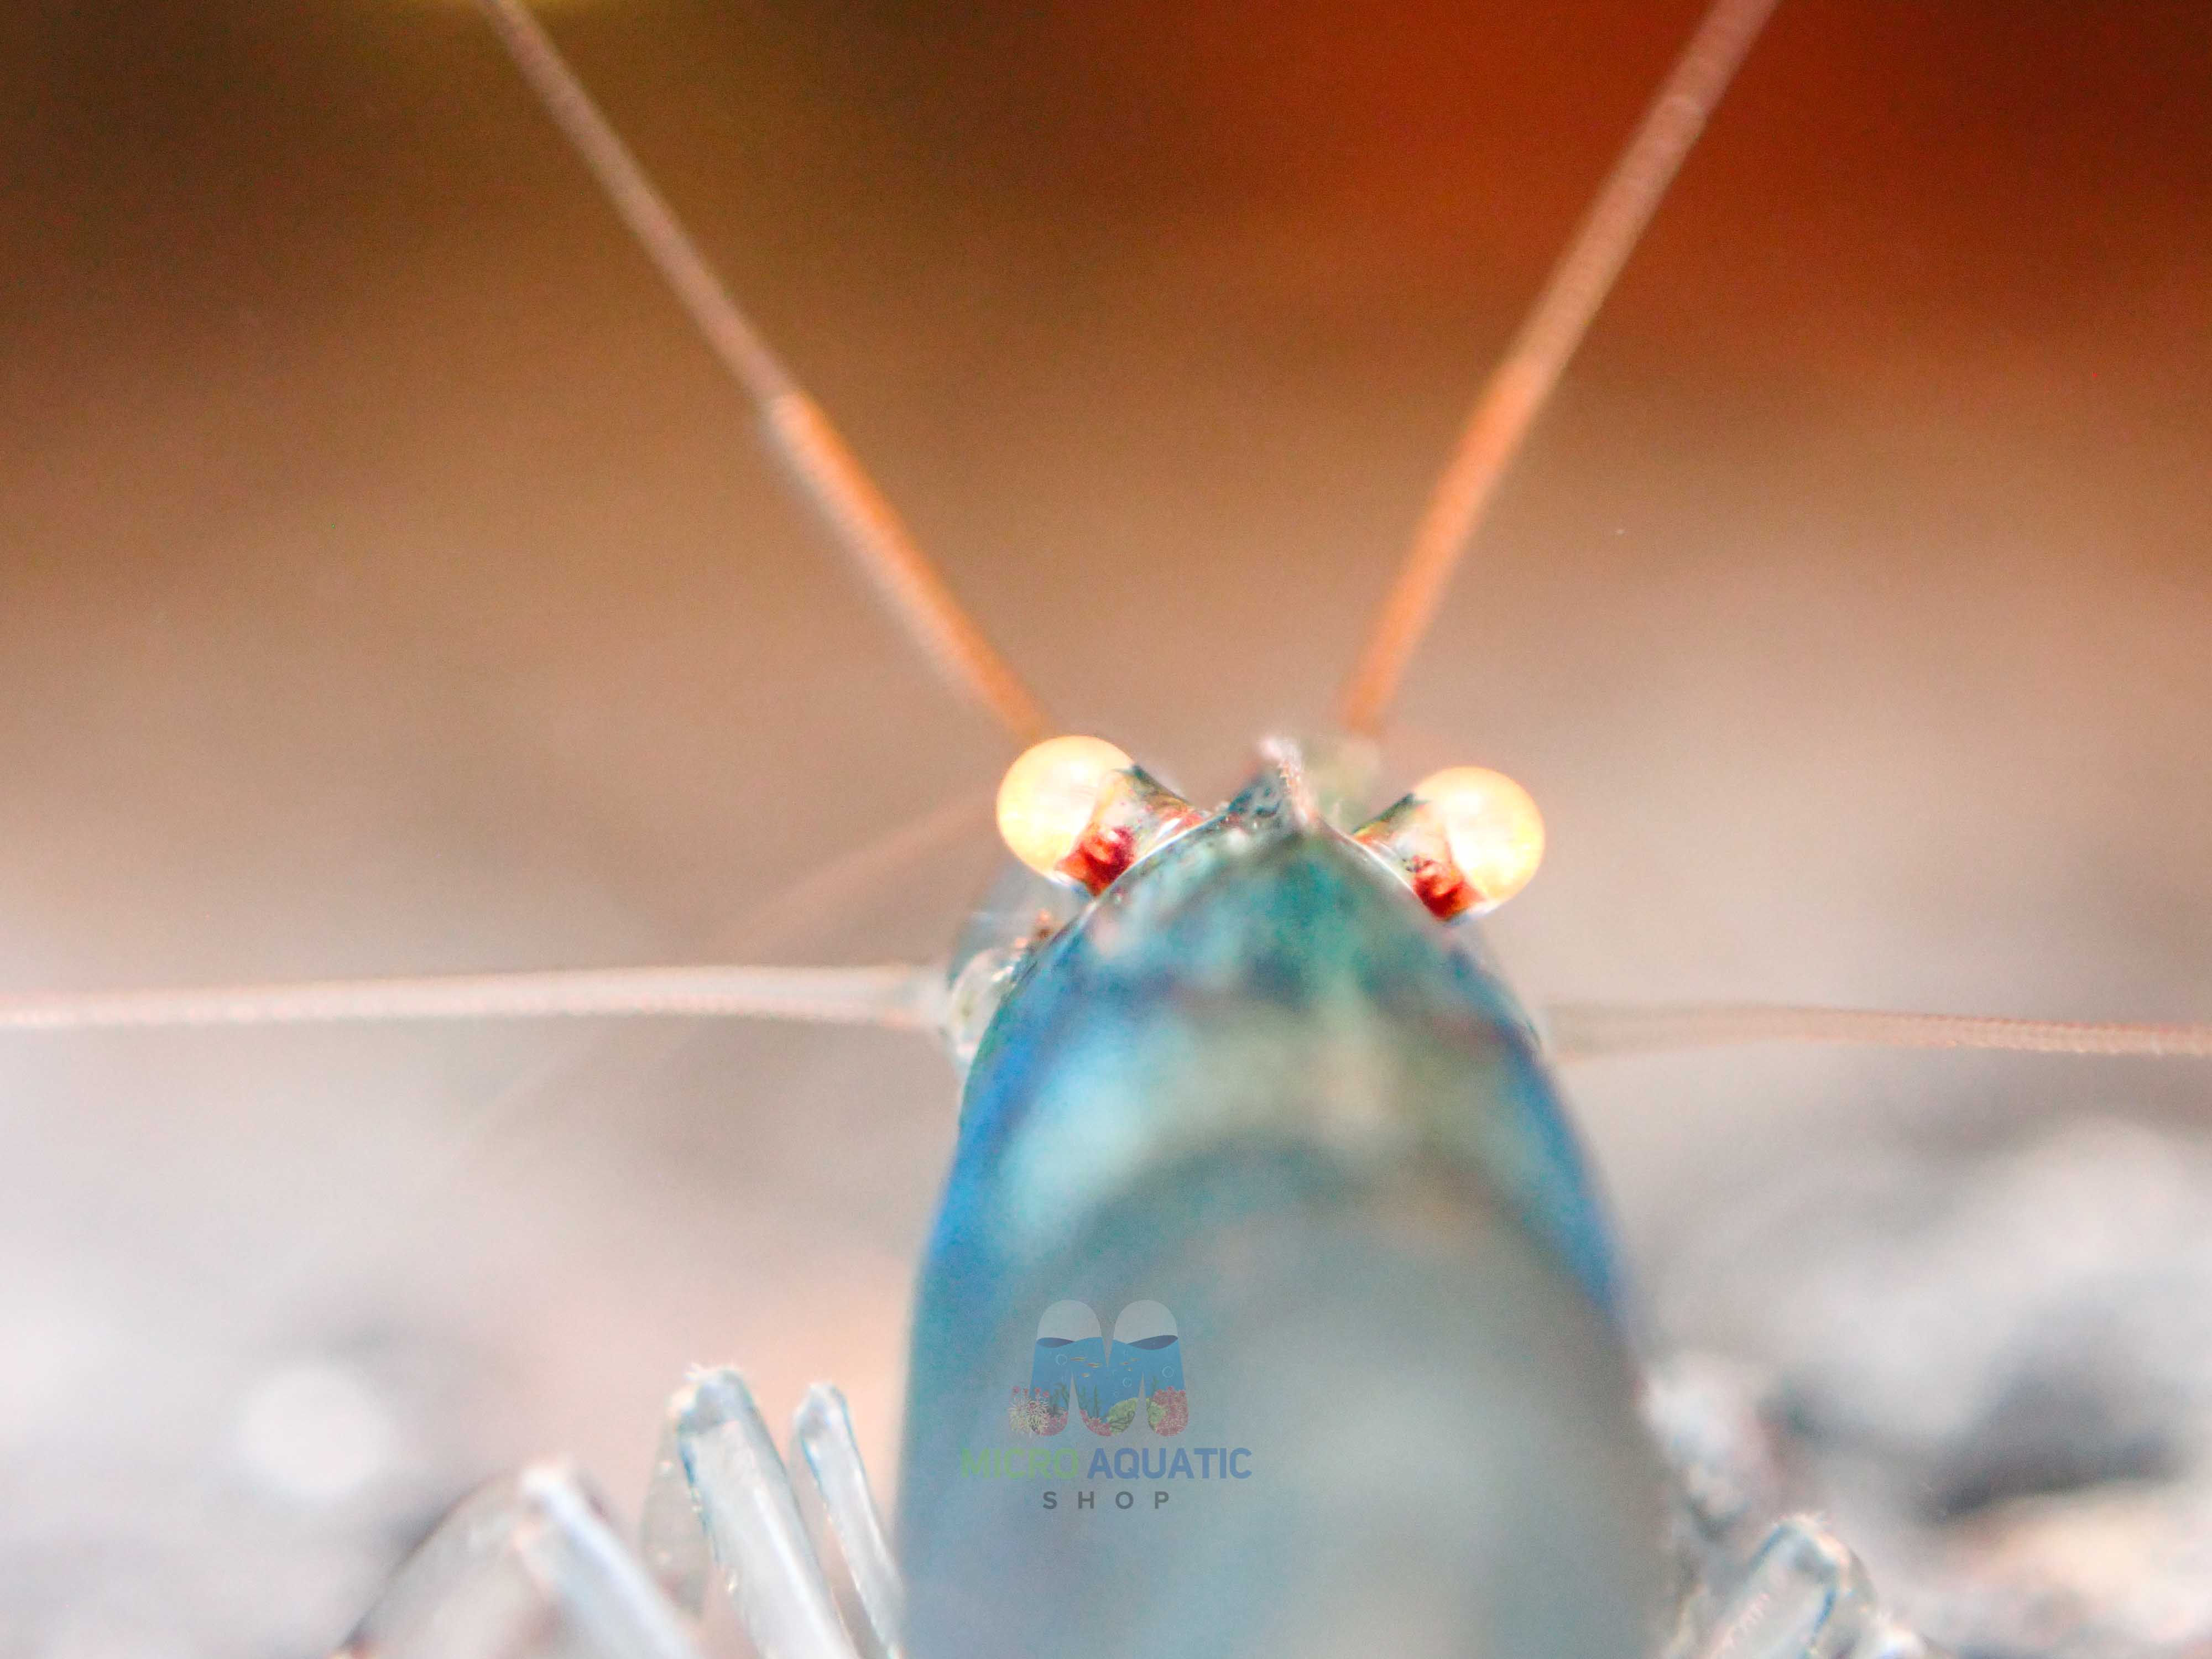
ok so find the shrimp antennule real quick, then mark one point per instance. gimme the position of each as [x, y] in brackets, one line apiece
[1521, 384]
[864, 524]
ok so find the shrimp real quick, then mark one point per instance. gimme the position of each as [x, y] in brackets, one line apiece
[895, 998]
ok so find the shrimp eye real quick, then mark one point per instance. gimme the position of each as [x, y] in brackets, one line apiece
[1080, 810]
[1466, 839]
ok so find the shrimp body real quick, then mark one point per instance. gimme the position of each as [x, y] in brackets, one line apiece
[1256, 1084]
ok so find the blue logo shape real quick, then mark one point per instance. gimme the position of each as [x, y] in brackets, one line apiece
[1107, 1383]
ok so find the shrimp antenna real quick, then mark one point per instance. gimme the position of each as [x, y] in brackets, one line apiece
[898, 998]
[863, 523]
[1594, 1030]
[1521, 384]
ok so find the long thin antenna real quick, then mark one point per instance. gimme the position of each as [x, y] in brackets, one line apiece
[855, 511]
[1520, 385]
[1594, 1030]
[830, 891]
[901, 998]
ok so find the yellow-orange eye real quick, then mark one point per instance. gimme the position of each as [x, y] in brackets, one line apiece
[1048, 796]
[1493, 829]
[1080, 810]
[1466, 838]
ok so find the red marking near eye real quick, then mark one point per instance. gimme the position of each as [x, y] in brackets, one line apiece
[1100, 856]
[1438, 884]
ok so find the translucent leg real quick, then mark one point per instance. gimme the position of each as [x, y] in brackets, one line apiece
[1805, 1597]
[851, 1533]
[526, 1566]
[751, 1516]
[670, 1533]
